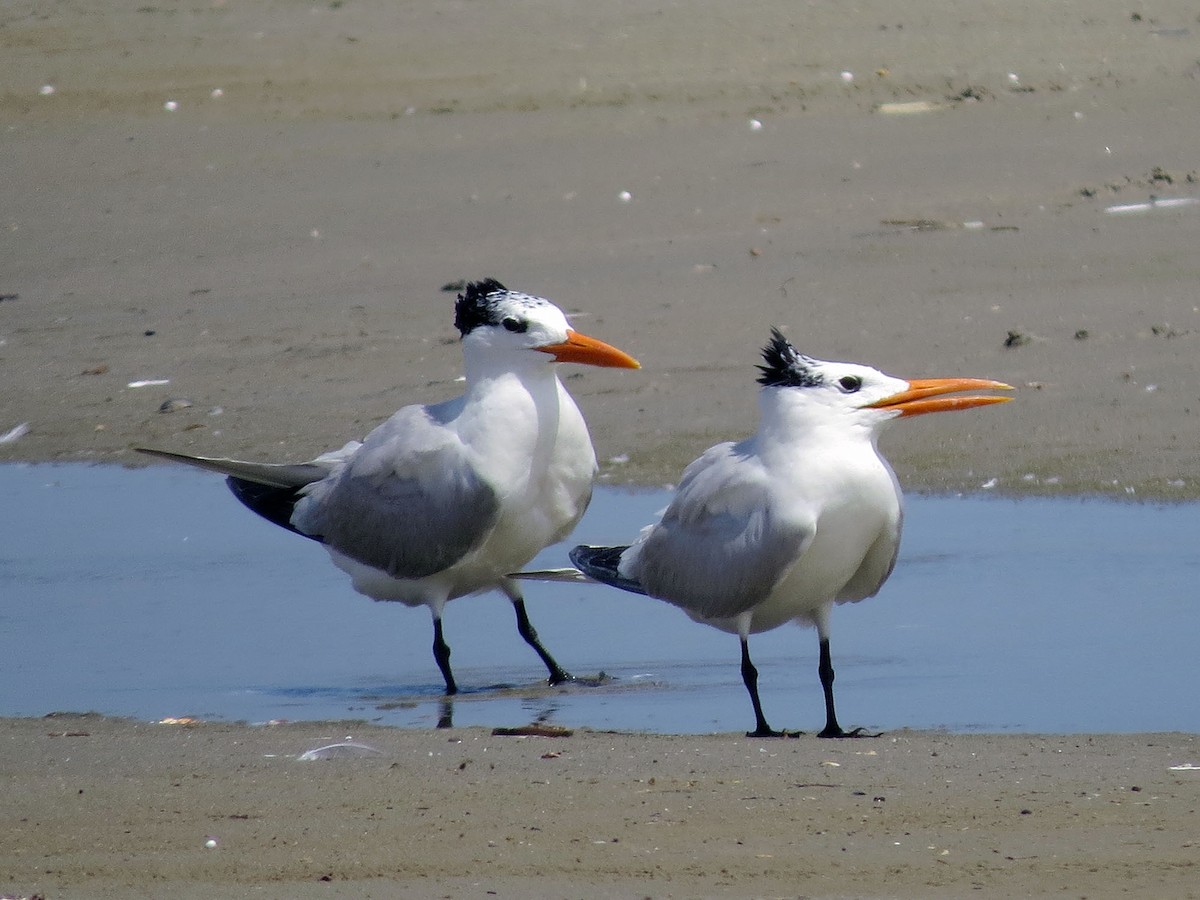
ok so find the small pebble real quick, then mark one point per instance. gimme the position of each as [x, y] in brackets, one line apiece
[174, 404]
[1016, 339]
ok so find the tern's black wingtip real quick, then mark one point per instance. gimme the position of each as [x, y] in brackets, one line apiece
[603, 564]
[275, 504]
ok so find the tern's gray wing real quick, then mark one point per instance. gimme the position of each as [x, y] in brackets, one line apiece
[723, 543]
[408, 502]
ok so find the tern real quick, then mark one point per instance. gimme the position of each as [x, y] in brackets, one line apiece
[779, 527]
[445, 500]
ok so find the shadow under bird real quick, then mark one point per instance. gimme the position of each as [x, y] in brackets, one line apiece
[779, 527]
[445, 500]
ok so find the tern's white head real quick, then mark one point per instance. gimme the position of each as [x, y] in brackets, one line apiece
[802, 392]
[503, 329]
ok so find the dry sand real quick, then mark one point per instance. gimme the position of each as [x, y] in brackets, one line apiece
[105, 808]
[277, 251]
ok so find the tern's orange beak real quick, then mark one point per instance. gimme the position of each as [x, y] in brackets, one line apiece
[924, 395]
[579, 348]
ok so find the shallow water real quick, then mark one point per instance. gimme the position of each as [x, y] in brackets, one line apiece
[153, 593]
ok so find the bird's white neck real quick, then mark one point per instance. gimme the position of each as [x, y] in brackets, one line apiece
[537, 378]
[526, 364]
[795, 425]
[516, 414]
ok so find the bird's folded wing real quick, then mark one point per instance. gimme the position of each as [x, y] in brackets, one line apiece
[723, 544]
[875, 568]
[409, 502]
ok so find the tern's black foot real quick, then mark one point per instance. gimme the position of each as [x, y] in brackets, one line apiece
[772, 733]
[560, 677]
[856, 733]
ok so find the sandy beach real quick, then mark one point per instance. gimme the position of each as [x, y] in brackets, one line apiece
[258, 210]
[106, 808]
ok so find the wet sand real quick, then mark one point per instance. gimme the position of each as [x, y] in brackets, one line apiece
[929, 190]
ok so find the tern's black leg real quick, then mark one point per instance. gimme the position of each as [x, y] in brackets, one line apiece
[832, 728]
[441, 653]
[557, 674]
[750, 679]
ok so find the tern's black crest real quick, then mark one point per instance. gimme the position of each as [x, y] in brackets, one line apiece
[479, 304]
[475, 304]
[785, 366]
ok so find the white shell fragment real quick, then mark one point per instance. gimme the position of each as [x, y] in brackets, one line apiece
[341, 750]
[1153, 203]
[909, 107]
[14, 433]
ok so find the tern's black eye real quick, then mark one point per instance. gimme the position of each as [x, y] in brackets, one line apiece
[850, 383]
[515, 325]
